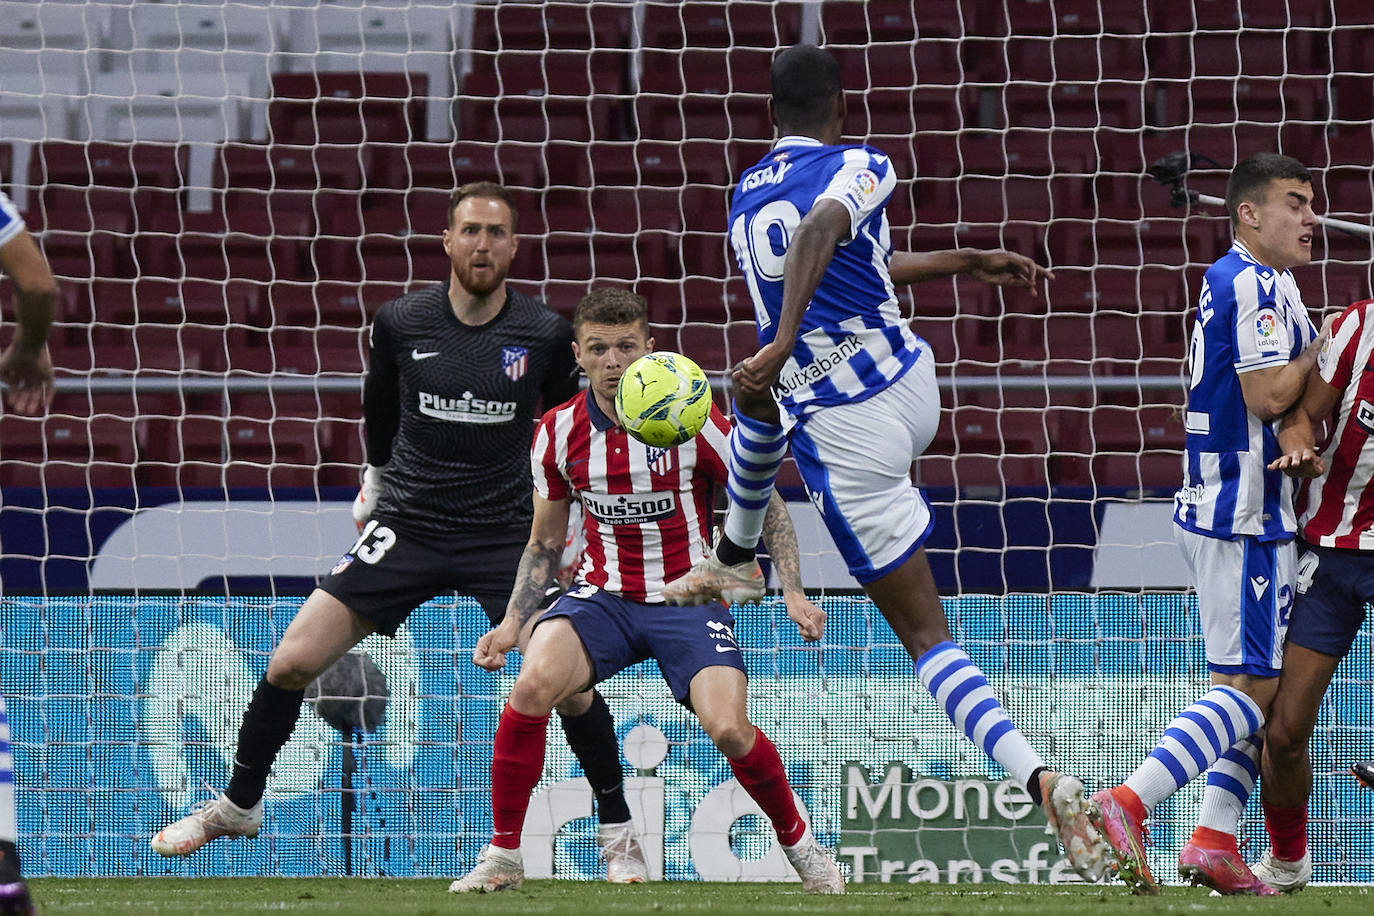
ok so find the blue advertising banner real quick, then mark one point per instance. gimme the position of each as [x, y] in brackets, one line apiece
[125, 709]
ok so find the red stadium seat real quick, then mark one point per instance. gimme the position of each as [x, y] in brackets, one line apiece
[66, 451]
[843, 23]
[108, 176]
[327, 303]
[444, 166]
[347, 108]
[550, 25]
[718, 24]
[985, 446]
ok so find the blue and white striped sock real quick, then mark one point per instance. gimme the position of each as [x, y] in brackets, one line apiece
[957, 685]
[9, 826]
[1230, 783]
[1194, 741]
[756, 453]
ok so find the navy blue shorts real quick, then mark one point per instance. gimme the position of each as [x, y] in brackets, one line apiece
[618, 633]
[1333, 587]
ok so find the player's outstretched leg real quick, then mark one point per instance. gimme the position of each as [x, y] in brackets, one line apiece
[1191, 743]
[267, 724]
[1211, 857]
[517, 760]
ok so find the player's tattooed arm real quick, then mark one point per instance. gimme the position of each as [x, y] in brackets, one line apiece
[537, 570]
[781, 539]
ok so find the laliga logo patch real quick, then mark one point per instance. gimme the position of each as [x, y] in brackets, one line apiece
[1267, 330]
[1364, 415]
[862, 186]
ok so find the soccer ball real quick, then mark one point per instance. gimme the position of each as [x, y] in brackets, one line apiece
[663, 399]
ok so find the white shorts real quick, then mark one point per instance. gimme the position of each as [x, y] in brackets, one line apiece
[1245, 598]
[855, 460]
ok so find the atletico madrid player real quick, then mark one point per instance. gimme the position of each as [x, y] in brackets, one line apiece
[458, 370]
[647, 517]
[1334, 582]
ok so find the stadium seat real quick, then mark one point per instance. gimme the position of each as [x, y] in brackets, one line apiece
[80, 244]
[1121, 446]
[346, 108]
[149, 299]
[141, 176]
[67, 451]
[51, 39]
[447, 165]
[716, 24]
[177, 39]
[987, 447]
[844, 23]
[415, 39]
[535, 26]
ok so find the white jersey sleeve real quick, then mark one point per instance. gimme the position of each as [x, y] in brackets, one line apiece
[862, 185]
[1263, 337]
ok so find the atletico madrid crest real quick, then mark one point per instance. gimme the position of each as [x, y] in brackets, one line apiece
[514, 361]
[660, 459]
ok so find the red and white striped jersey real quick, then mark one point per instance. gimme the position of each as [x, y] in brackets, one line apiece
[648, 510]
[1337, 509]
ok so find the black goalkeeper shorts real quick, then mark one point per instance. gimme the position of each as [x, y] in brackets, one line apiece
[392, 571]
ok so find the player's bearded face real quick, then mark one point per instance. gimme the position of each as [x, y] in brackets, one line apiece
[604, 351]
[480, 244]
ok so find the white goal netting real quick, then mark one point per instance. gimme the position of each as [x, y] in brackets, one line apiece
[228, 191]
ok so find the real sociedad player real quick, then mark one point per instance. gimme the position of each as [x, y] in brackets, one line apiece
[859, 402]
[1252, 348]
[457, 372]
[647, 516]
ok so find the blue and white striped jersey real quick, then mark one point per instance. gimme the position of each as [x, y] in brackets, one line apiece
[1249, 317]
[853, 341]
[11, 223]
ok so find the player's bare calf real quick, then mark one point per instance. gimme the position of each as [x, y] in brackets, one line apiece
[208, 820]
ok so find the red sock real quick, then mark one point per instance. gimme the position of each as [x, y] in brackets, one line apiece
[1209, 838]
[1287, 828]
[760, 772]
[517, 760]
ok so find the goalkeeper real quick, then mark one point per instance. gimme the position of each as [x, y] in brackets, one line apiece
[647, 512]
[457, 370]
[26, 370]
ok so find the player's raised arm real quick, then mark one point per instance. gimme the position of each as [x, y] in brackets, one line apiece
[537, 571]
[25, 366]
[780, 537]
[998, 267]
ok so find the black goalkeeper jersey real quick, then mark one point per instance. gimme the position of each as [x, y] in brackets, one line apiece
[450, 408]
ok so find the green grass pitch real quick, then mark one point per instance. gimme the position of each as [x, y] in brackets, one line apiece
[381, 897]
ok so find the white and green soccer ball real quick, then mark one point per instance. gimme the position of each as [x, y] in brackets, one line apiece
[663, 399]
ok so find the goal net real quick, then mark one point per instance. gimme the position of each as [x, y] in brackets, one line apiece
[229, 191]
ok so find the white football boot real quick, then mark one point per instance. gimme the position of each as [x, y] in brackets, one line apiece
[624, 857]
[711, 580]
[208, 820]
[497, 869]
[818, 871]
[1067, 809]
[1284, 876]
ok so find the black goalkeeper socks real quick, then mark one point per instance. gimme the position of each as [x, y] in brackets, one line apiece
[732, 554]
[592, 739]
[267, 724]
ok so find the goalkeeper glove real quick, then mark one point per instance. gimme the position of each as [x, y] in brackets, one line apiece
[366, 499]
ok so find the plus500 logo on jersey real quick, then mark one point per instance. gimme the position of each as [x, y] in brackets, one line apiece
[466, 409]
[628, 508]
